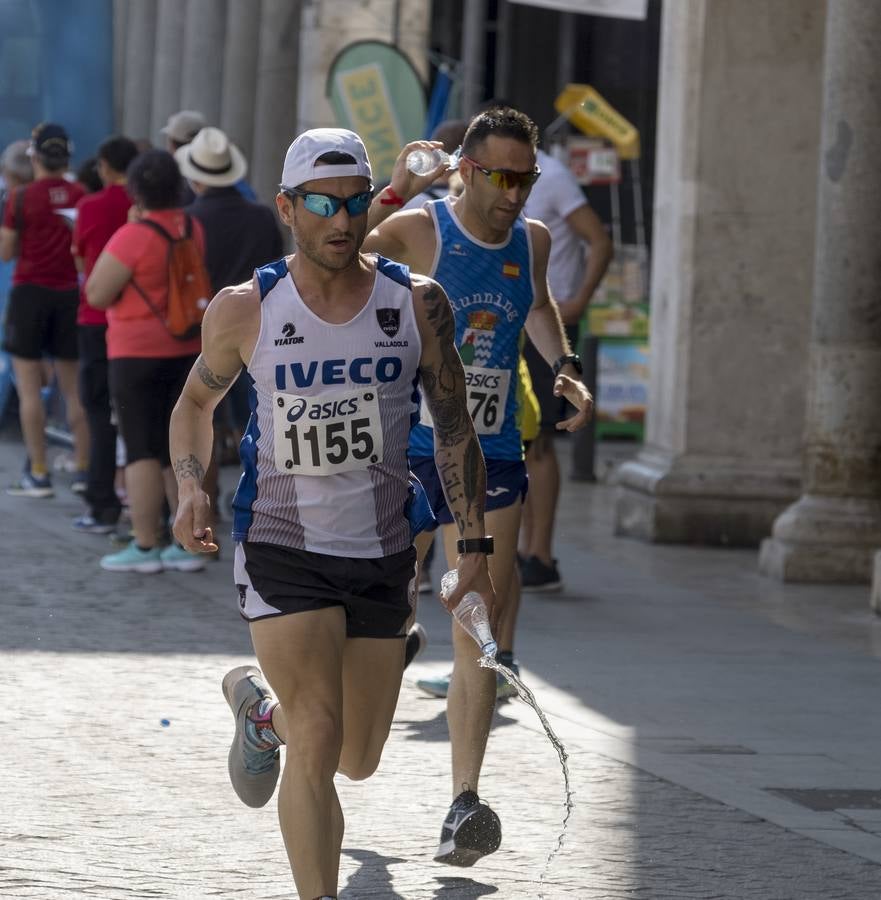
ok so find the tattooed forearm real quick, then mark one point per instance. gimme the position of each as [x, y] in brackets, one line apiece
[463, 477]
[451, 420]
[189, 468]
[457, 455]
[474, 475]
[210, 379]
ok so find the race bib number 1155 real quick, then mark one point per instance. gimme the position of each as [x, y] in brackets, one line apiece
[328, 434]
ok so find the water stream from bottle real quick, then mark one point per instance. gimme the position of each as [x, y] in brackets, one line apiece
[488, 662]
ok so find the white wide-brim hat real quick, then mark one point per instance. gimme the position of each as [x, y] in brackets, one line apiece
[210, 158]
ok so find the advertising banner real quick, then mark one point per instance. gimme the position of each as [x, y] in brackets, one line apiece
[618, 9]
[622, 388]
[377, 93]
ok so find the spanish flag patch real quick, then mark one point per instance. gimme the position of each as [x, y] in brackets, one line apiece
[510, 270]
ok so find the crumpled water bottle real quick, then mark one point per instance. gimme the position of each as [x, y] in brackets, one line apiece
[471, 614]
[421, 162]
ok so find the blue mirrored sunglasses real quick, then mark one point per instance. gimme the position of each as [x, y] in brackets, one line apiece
[327, 205]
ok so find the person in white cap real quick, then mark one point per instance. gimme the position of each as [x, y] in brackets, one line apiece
[334, 343]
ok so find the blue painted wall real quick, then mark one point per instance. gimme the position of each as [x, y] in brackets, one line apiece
[56, 64]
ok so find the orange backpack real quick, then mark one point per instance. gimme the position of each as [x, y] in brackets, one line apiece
[189, 287]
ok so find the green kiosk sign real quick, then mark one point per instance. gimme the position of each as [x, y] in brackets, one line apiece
[376, 92]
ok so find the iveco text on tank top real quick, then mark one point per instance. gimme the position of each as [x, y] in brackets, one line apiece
[490, 289]
[325, 452]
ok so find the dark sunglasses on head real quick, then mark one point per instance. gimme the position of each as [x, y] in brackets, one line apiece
[327, 205]
[505, 179]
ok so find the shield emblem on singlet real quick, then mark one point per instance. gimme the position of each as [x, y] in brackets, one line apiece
[389, 320]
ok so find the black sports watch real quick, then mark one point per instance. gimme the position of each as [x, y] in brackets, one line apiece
[568, 359]
[475, 545]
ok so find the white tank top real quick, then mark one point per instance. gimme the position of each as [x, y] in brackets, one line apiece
[325, 453]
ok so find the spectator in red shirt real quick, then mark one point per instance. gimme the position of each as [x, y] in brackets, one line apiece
[99, 215]
[41, 314]
[147, 366]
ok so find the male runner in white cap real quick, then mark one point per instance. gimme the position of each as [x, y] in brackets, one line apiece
[333, 343]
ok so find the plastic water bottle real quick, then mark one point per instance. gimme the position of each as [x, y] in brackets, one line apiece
[471, 614]
[421, 162]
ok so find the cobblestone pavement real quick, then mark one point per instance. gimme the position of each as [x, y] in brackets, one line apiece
[103, 800]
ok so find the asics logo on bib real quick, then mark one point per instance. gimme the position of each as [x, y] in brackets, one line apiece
[361, 370]
[323, 410]
[481, 379]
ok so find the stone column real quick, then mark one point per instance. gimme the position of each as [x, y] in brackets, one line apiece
[738, 130]
[120, 39]
[169, 58]
[473, 54]
[240, 73]
[202, 75]
[275, 114]
[830, 534]
[138, 63]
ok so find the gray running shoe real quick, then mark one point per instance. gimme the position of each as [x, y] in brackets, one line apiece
[253, 771]
[470, 831]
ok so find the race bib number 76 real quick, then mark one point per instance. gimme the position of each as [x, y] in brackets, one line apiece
[487, 397]
[327, 434]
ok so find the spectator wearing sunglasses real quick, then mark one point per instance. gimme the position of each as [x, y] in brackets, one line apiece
[492, 263]
[332, 341]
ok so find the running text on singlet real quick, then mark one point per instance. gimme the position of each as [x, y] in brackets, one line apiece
[491, 291]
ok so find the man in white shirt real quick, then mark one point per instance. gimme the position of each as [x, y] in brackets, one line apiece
[580, 254]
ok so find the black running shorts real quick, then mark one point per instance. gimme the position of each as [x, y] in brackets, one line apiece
[376, 594]
[41, 321]
[143, 394]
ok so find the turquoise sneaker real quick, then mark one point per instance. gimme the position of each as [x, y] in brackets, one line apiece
[440, 687]
[133, 559]
[435, 687]
[175, 558]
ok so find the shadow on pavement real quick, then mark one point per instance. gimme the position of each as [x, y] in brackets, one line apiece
[373, 879]
[463, 888]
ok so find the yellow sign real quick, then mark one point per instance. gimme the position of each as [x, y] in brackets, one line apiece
[365, 95]
[588, 111]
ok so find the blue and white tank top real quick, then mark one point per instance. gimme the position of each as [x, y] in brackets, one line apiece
[491, 290]
[325, 452]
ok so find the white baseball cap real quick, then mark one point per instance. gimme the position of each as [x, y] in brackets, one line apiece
[302, 156]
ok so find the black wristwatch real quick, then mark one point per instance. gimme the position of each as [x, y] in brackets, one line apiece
[568, 359]
[475, 545]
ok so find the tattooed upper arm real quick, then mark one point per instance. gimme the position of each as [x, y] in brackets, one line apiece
[211, 379]
[440, 369]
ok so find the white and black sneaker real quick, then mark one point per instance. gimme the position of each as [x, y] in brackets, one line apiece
[470, 831]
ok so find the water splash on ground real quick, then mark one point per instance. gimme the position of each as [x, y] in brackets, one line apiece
[488, 662]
